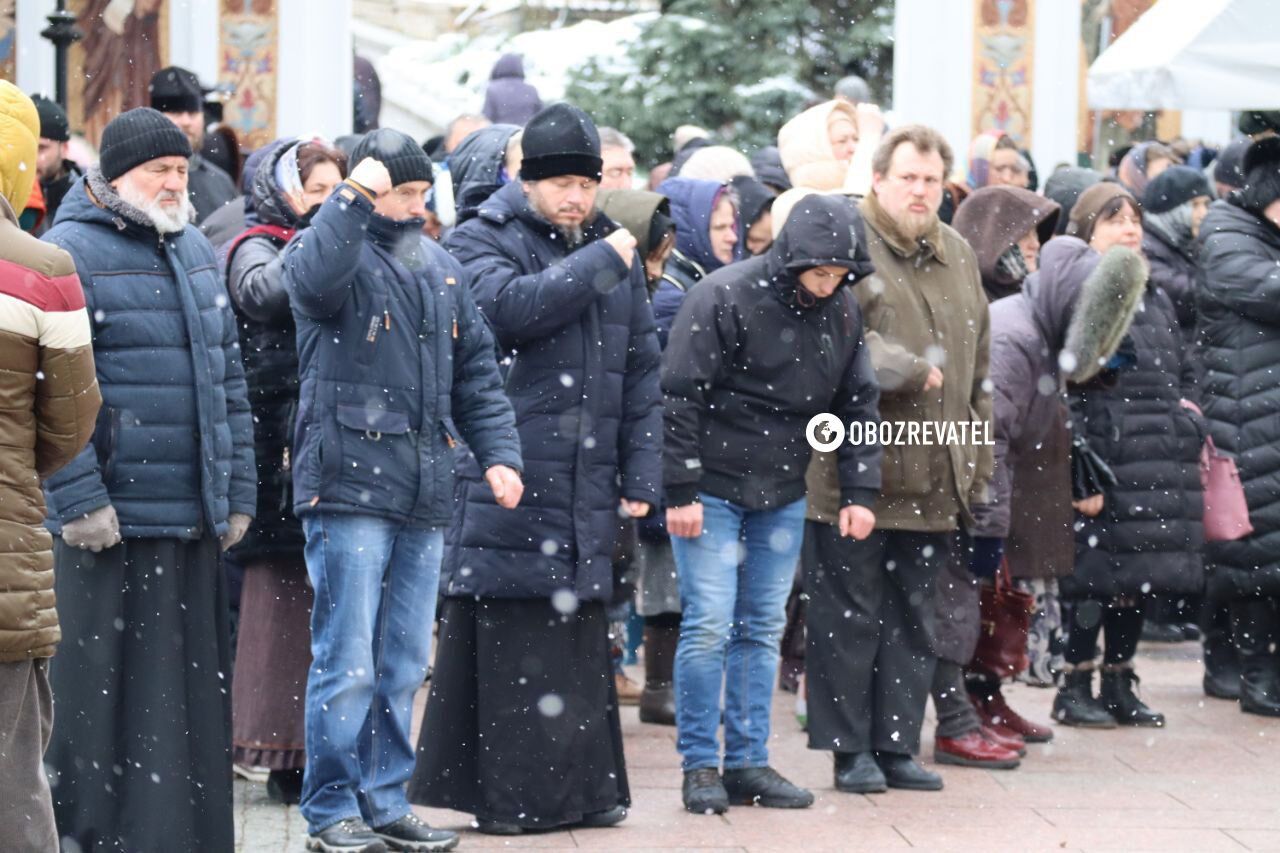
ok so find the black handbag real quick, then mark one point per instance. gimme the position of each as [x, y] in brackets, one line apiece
[1089, 474]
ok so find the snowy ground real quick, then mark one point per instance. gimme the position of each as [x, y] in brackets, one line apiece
[1207, 782]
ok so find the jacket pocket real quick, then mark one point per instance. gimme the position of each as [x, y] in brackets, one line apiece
[904, 473]
[375, 423]
[375, 325]
[452, 437]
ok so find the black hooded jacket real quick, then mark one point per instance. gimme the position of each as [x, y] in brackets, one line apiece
[475, 167]
[751, 360]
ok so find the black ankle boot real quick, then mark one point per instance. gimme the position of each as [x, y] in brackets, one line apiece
[1117, 696]
[1221, 664]
[1075, 706]
[1253, 630]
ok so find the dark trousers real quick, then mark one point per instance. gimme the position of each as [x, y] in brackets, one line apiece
[869, 654]
[1122, 626]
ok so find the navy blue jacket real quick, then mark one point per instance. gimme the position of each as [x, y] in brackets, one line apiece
[173, 449]
[397, 368]
[584, 383]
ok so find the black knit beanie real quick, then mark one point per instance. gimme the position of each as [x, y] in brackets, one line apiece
[176, 90]
[1173, 187]
[137, 136]
[399, 152]
[1262, 174]
[53, 119]
[560, 140]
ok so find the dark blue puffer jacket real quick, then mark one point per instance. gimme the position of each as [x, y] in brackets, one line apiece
[173, 450]
[584, 383]
[397, 368]
[692, 203]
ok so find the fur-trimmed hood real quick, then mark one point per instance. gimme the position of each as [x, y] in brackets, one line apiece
[1083, 302]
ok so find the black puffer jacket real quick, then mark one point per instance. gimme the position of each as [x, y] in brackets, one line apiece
[269, 349]
[475, 167]
[1174, 271]
[1238, 302]
[748, 366]
[1149, 537]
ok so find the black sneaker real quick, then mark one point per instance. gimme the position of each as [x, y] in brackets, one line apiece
[764, 786]
[411, 834]
[703, 792]
[352, 835]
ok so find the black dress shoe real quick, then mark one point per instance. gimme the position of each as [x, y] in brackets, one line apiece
[703, 792]
[410, 834]
[902, 771]
[766, 787]
[352, 835]
[858, 773]
[608, 817]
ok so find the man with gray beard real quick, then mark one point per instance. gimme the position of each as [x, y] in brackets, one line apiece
[521, 727]
[141, 753]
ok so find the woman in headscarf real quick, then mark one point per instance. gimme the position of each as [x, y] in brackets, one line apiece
[829, 147]
[1142, 164]
[274, 644]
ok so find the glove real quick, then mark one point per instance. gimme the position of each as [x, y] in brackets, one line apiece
[985, 555]
[237, 527]
[94, 532]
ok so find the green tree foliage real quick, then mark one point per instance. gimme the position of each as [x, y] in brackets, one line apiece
[737, 67]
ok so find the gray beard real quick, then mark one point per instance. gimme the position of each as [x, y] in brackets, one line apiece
[573, 236]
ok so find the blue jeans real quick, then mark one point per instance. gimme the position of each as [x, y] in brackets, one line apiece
[375, 584]
[734, 581]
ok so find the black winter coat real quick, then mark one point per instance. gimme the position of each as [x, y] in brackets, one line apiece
[209, 187]
[269, 349]
[1149, 536]
[1175, 274]
[1238, 303]
[747, 367]
[584, 384]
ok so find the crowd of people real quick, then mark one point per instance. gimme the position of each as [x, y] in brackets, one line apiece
[496, 398]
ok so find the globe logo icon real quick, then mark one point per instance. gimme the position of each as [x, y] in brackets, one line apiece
[825, 432]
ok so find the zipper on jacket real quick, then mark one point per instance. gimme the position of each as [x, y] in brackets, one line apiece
[386, 319]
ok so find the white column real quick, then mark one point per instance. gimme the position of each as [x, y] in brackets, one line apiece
[1056, 81]
[933, 69]
[34, 61]
[314, 89]
[193, 37]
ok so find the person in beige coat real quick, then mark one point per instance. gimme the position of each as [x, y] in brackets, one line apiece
[50, 393]
[869, 653]
[829, 147]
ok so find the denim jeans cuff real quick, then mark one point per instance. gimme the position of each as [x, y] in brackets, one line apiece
[745, 765]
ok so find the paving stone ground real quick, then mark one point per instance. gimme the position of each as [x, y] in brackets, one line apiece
[1209, 781]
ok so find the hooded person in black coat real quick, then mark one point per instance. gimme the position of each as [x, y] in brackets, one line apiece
[1238, 302]
[478, 167]
[522, 727]
[742, 415]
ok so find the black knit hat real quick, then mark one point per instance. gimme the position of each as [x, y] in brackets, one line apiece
[399, 152]
[176, 90]
[1228, 168]
[560, 140]
[137, 136]
[1173, 187]
[53, 119]
[1263, 152]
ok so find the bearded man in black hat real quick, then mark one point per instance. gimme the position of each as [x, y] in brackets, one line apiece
[521, 728]
[177, 93]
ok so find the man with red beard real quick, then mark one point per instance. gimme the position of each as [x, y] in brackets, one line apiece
[869, 656]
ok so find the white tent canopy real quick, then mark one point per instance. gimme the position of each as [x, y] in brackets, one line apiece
[1193, 54]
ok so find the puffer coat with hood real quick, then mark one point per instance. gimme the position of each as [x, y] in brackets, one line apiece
[748, 366]
[508, 99]
[692, 204]
[1238, 301]
[1070, 315]
[48, 385]
[477, 167]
